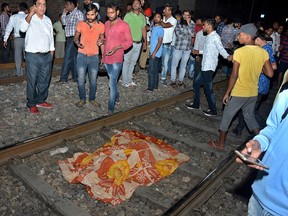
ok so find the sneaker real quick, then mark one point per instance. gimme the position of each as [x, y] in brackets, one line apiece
[191, 106]
[95, 103]
[173, 85]
[164, 82]
[127, 85]
[209, 113]
[45, 105]
[132, 84]
[33, 110]
[80, 104]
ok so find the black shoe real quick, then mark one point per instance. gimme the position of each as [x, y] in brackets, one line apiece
[191, 106]
[209, 113]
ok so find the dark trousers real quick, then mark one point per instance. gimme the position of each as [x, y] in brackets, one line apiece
[153, 76]
[38, 69]
[69, 61]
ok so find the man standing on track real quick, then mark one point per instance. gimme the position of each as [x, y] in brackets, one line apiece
[39, 47]
[118, 39]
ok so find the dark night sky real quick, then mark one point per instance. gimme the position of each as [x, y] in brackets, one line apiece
[274, 10]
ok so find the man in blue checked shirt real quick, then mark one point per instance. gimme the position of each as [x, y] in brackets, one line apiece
[70, 17]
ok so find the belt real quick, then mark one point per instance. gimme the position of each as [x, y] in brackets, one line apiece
[39, 53]
[137, 42]
[70, 37]
[167, 43]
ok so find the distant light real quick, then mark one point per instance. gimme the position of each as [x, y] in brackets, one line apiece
[286, 20]
[262, 16]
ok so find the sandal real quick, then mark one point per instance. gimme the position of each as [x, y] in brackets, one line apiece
[80, 104]
[95, 103]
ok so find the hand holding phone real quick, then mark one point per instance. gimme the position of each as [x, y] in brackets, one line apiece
[249, 160]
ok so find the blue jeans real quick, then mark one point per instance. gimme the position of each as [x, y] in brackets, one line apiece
[153, 77]
[113, 71]
[255, 209]
[165, 60]
[170, 60]
[191, 66]
[38, 69]
[92, 63]
[129, 63]
[204, 78]
[178, 55]
[69, 61]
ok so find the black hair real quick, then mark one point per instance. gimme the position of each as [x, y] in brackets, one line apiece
[3, 5]
[91, 7]
[114, 6]
[23, 6]
[261, 34]
[170, 6]
[74, 2]
[211, 21]
[161, 15]
[182, 21]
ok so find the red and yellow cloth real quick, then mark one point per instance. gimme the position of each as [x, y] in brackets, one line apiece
[131, 159]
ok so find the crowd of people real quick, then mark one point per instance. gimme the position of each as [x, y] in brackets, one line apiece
[172, 43]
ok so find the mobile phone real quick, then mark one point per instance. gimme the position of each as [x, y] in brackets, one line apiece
[109, 53]
[250, 160]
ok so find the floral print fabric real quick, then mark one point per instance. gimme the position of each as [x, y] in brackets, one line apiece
[131, 159]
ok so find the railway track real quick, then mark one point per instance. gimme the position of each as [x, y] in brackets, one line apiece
[179, 194]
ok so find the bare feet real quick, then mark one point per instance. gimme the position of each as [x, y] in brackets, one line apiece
[216, 145]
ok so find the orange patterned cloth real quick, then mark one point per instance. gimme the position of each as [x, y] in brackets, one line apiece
[131, 159]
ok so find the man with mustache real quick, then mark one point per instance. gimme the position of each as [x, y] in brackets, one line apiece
[39, 48]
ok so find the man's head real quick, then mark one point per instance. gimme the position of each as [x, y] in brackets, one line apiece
[129, 7]
[91, 12]
[23, 6]
[40, 7]
[249, 29]
[136, 5]
[70, 5]
[113, 11]
[86, 2]
[158, 18]
[168, 10]
[5, 7]
[209, 25]
[260, 38]
[247, 33]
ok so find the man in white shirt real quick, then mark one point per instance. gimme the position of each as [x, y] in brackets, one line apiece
[19, 37]
[169, 23]
[39, 47]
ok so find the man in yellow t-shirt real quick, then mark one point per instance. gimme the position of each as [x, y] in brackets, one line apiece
[242, 91]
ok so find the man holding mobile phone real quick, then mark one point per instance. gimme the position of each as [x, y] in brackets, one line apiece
[270, 187]
[118, 38]
[39, 48]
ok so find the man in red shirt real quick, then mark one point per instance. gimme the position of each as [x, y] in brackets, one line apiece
[90, 31]
[118, 39]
